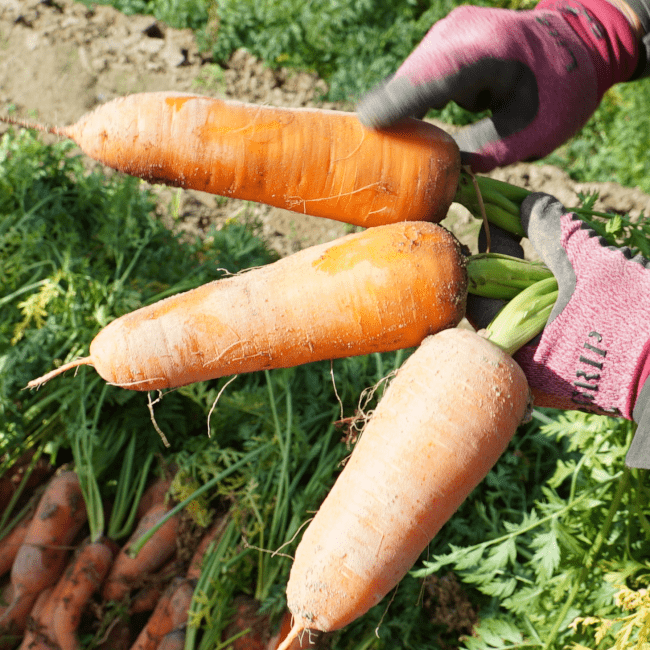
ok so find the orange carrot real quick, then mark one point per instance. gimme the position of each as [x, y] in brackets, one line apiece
[146, 598]
[211, 535]
[382, 289]
[300, 642]
[443, 422]
[247, 619]
[174, 640]
[126, 571]
[34, 639]
[80, 581]
[315, 161]
[170, 613]
[60, 514]
[155, 493]
[11, 543]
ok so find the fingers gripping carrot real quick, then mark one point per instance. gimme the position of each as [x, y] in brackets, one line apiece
[314, 161]
[383, 289]
[59, 516]
[441, 425]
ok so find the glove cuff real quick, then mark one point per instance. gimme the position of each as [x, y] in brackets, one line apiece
[611, 39]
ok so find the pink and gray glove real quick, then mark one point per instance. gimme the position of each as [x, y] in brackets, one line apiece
[594, 353]
[542, 73]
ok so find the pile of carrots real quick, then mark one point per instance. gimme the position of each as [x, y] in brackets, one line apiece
[401, 283]
[55, 579]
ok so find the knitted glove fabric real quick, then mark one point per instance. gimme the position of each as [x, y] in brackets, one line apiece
[542, 73]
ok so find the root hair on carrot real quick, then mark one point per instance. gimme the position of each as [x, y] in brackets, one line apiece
[216, 399]
[150, 406]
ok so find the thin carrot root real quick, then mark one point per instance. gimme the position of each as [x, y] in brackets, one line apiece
[37, 383]
[295, 631]
[35, 126]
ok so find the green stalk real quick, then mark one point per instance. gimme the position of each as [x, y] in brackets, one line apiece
[524, 316]
[493, 275]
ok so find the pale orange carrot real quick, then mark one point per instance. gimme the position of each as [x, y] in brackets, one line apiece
[443, 422]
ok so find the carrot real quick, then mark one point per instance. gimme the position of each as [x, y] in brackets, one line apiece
[147, 597]
[314, 161]
[33, 638]
[443, 422]
[155, 493]
[127, 571]
[211, 535]
[11, 543]
[80, 581]
[174, 640]
[286, 624]
[248, 629]
[382, 289]
[170, 613]
[59, 516]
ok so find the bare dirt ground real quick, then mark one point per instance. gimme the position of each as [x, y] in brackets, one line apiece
[59, 59]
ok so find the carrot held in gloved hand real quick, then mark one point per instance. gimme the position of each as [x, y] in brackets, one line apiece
[594, 352]
[542, 73]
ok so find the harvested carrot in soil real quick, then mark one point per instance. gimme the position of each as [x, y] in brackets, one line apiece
[309, 160]
[11, 543]
[170, 614]
[80, 581]
[174, 640]
[246, 617]
[211, 535]
[154, 494]
[445, 419]
[34, 639]
[145, 599]
[127, 571]
[379, 290]
[59, 516]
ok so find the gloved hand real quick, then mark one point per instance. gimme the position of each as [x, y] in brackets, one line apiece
[542, 73]
[594, 353]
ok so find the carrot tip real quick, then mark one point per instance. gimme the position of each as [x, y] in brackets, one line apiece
[37, 383]
[293, 634]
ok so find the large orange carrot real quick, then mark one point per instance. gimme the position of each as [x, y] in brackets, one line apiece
[315, 161]
[59, 516]
[126, 571]
[80, 581]
[443, 422]
[382, 289]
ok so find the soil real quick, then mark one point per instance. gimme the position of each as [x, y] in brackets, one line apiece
[60, 58]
